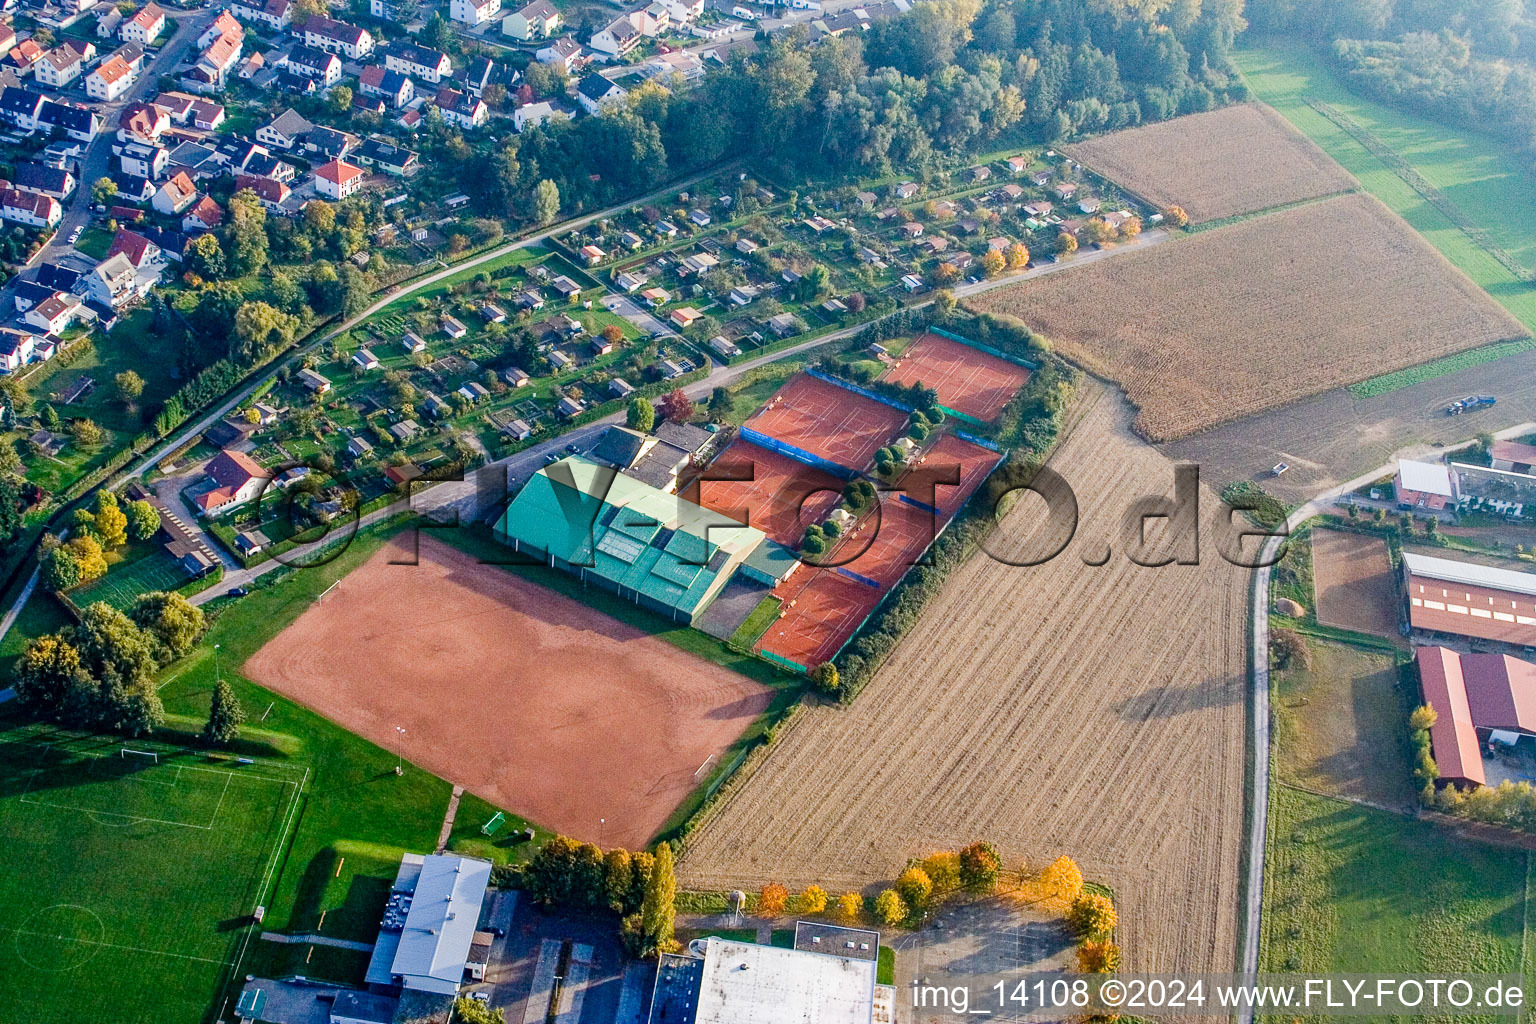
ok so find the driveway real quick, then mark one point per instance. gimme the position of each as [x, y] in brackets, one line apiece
[630, 310]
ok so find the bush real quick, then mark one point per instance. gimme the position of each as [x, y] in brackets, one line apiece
[890, 908]
[1092, 915]
[915, 887]
[1288, 649]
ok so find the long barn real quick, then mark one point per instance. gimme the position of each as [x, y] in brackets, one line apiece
[1465, 599]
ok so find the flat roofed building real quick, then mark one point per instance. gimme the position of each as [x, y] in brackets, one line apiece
[638, 541]
[430, 923]
[745, 983]
[1466, 599]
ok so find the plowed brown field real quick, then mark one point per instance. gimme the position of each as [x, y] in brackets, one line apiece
[1260, 313]
[1065, 708]
[1238, 159]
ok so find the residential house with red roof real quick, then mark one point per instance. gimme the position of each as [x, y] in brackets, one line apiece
[175, 195]
[338, 179]
[204, 216]
[231, 479]
[145, 26]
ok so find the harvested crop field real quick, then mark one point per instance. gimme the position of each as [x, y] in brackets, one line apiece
[525, 697]
[1064, 708]
[1353, 583]
[1239, 159]
[1259, 314]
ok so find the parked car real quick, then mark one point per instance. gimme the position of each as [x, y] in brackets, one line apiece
[74, 236]
[239, 591]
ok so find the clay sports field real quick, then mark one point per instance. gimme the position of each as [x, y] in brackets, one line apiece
[1258, 314]
[524, 697]
[821, 607]
[1353, 584]
[1239, 159]
[828, 421]
[1065, 708]
[971, 382]
[779, 496]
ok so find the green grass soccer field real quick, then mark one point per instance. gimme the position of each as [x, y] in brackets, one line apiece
[130, 880]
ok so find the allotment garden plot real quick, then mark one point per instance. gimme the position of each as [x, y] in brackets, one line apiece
[1239, 159]
[1097, 711]
[1260, 313]
[530, 699]
[94, 842]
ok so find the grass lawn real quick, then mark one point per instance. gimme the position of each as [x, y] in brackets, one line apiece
[756, 624]
[1491, 183]
[1341, 725]
[885, 970]
[41, 614]
[98, 841]
[1350, 889]
[506, 846]
[124, 582]
[94, 242]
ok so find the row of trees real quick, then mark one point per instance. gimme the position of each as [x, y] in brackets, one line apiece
[102, 527]
[99, 673]
[641, 888]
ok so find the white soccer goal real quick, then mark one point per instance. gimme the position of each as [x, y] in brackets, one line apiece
[327, 590]
[126, 752]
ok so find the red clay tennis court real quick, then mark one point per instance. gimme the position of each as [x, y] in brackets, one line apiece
[828, 422]
[968, 380]
[975, 464]
[823, 607]
[821, 611]
[782, 499]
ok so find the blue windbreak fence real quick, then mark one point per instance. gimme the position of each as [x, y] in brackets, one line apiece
[858, 577]
[918, 504]
[773, 444]
[846, 386]
[967, 436]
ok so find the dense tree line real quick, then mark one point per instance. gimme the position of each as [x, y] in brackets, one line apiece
[100, 672]
[1465, 62]
[949, 78]
[640, 887]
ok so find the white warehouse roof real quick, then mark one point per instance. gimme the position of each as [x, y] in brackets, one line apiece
[1425, 477]
[430, 951]
[744, 983]
[1467, 573]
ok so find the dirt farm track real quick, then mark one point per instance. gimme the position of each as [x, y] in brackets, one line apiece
[1064, 708]
[524, 697]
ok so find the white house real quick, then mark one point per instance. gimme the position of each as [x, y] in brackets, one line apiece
[144, 27]
[338, 179]
[418, 62]
[531, 114]
[564, 51]
[337, 37]
[109, 79]
[30, 208]
[276, 14]
[617, 39]
[55, 313]
[595, 94]
[473, 12]
[538, 20]
[173, 197]
[59, 67]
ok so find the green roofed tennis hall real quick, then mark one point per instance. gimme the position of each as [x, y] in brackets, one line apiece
[648, 546]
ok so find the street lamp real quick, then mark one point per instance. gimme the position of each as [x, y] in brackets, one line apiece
[399, 764]
[216, 678]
